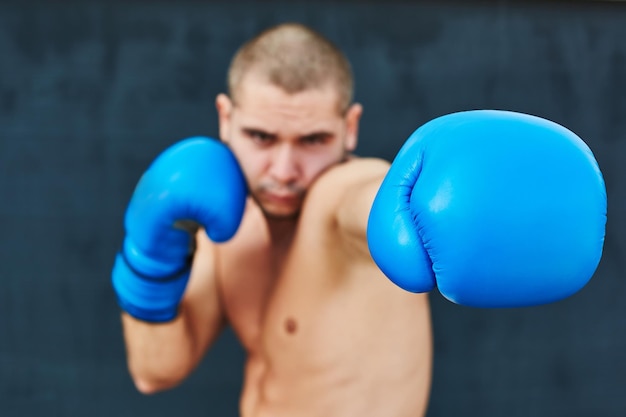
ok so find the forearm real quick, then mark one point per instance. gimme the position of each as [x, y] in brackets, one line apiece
[160, 356]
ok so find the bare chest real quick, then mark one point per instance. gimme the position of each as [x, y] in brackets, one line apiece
[278, 295]
[247, 282]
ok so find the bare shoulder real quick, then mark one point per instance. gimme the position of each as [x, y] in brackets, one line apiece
[354, 171]
[343, 179]
[342, 198]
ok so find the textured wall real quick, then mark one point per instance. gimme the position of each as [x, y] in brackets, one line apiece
[90, 92]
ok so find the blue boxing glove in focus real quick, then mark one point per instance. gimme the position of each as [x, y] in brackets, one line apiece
[495, 208]
[195, 181]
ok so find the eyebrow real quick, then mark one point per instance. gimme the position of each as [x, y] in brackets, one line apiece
[253, 130]
[319, 135]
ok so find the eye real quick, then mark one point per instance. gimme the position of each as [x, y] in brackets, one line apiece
[315, 139]
[260, 137]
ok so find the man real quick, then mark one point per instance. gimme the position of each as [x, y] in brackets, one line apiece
[496, 208]
[325, 333]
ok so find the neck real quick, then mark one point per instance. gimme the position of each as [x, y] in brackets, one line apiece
[281, 231]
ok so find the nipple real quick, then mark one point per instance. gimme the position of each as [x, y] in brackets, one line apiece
[290, 325]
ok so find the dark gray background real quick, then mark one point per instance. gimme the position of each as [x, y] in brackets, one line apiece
[90, 92]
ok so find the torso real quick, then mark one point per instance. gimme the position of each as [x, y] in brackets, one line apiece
[326, 333]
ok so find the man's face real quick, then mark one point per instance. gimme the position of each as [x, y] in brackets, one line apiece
[285, 141]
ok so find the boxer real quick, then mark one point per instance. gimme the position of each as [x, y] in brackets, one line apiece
[321, 262]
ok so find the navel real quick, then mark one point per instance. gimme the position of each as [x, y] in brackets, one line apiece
[291, 325]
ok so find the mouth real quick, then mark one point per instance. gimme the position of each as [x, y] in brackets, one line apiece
[281, 198]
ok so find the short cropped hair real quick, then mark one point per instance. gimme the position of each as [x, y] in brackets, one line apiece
[295, 58]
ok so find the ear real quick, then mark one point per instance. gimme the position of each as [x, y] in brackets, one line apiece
[353, 116]
[224, 106]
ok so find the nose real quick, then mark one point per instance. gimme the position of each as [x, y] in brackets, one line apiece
[284, 167]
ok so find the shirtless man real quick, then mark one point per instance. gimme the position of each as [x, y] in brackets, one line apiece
[295, 231]
[326, 334]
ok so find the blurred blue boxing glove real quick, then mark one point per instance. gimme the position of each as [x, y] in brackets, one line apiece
[196, 181]
[495, 208]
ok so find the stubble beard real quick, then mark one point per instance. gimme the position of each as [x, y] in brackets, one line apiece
[297, 191]
[293, 189]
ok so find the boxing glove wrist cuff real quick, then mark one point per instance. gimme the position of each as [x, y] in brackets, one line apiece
[150, 316]
[148, 298]
[159, 266]
[173, 276]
